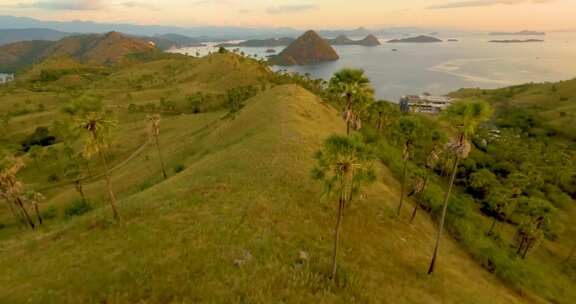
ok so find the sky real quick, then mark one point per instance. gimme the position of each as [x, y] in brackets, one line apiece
[302, 14]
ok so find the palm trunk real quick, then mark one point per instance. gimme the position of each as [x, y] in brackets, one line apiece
[14, 213]
[417, 203]
[156, 140]
[348, 111]
[492, 226]
[25, 212]
[37, 210]
[337, 237]
[109, 187]
[78, 186]
[402, 187]
[379, 125]
[443, 218]
[570, 255]
[88, 169]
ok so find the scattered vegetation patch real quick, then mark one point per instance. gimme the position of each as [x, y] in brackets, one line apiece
[78, 207]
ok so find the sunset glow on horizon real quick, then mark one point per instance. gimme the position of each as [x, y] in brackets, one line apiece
[458, 14]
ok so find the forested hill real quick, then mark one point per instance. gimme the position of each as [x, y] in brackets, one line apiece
[545, 108]
[96, 49]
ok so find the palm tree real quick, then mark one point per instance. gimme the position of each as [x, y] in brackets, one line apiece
[34, 198]
[343, 167]
[12, 190]
[436, 138]
[409, 130]
[382, 114]
[97, 125]
[465, 117]
[155, 128]
[353, 85]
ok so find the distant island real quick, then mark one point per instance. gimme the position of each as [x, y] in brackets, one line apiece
[272, 42]
[309, 48]
[452, 40]
[417, 39]
[521, 33]
[370, 40]
[516, 41]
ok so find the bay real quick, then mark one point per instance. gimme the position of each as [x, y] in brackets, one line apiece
[397, 69]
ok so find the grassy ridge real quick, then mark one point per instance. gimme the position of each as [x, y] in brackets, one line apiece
[231, 226]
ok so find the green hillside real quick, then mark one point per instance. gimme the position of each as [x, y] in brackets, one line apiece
[239, 218]
[552, 105]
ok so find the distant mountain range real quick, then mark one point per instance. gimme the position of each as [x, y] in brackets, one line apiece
[96, 49]
[370, 40]
[16, 35]
[163, 42]
[201, 33]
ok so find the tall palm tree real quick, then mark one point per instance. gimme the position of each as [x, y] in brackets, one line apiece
[352, 85]
[343, 167]
[96, 125]
[155, 128]
[409, 131]
[465, 117]
[436, 138]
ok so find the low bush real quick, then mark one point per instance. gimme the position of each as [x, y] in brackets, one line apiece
[78, 207]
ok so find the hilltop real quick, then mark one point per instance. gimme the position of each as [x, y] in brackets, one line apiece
[97, 49]
[309, 48]
[238, 218]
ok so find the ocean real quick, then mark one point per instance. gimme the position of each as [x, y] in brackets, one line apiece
[440, 68]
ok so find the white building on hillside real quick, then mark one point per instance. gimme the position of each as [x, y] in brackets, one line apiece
[425, 103]
[5, 78]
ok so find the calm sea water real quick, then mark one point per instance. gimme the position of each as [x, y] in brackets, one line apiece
[440, 68]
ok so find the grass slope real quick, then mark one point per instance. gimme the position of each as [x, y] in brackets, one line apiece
[230, 227]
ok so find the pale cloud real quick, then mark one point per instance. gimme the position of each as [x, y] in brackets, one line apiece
[214, 2]
[287, 9]
[480, 3]
[138, 4]
[68, 5]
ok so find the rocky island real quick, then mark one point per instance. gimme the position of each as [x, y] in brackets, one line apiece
[309, 48]
[516, 41]
[417, 39]
[521, 33]
[370, 40]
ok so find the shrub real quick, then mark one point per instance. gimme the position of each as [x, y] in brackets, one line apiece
[179, 168]
[78, 207]
[49, 213]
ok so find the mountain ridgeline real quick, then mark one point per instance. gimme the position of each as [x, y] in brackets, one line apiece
[97, 49]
